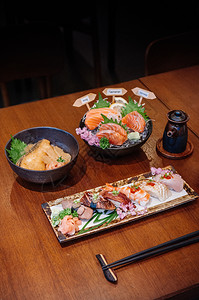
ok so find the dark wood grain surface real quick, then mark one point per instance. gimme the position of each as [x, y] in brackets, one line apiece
[35, 266]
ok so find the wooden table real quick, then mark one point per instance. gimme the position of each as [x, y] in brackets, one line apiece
[35, 266]
[178, 90]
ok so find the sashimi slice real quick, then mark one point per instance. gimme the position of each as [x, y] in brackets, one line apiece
[135, 194]
[172, 181]
[135, 121]
[118, 197]
[114, 127]
[155, 189]
[140, 196]
[114, 137]
[94, 116]
[113, 132]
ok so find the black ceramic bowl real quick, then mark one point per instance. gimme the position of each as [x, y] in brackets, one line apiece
[58, 137]
[118, 151]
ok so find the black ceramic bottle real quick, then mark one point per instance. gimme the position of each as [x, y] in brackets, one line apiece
[175, 133]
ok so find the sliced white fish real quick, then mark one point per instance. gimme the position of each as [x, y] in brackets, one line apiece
[172, 181]
[156, 189]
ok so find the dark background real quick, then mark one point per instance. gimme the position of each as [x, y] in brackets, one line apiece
[122, 29]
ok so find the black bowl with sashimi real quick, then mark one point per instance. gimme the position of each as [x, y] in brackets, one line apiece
[61, 138]
[117, 151]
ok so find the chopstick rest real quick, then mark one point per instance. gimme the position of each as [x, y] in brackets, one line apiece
[108, 273]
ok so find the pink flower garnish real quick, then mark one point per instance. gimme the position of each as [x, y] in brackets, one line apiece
[88, 136]
[131, 206]
[124, 209]
[133, 212]
[157, 171]
[78, 131]
[121, 214]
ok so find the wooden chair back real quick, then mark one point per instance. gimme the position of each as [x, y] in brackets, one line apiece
[172, 52]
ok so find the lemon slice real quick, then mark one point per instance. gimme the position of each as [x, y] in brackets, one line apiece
[117, 106]
[120, 100]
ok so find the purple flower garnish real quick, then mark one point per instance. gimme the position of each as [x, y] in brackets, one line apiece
[124, 209]
[88, 136]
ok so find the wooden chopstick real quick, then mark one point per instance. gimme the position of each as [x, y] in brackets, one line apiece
[179, 242]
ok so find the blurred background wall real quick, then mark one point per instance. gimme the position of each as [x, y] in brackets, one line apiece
[104, 41]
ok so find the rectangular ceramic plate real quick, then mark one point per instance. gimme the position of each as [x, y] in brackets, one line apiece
[154, 207]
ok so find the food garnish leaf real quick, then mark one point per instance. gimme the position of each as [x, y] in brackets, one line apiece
[60, 159]
[56, 220]
[101, 103]
[75, 214]
[67, 212]
[17, 149]
[132, 106]
[114, 192]
[107, 120]
[104, 143]
[96, 217]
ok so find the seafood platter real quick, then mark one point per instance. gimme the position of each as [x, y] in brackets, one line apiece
[118, 203]
[115, 128]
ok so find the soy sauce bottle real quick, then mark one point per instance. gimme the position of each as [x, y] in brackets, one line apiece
[176, 134]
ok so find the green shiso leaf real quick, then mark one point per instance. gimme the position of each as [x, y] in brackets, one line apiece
[107, 120]
[131, 106]
[17, 149]
[101, 103]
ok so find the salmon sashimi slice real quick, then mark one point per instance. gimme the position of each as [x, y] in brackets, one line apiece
[114, 127]
[113, 132]
[94, 116]
[126, 190]
[114, 137]
[135, 194]
[139, 195]
[135, 121]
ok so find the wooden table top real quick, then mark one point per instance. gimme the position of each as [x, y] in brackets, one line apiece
[35, 266]
[178, 90]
